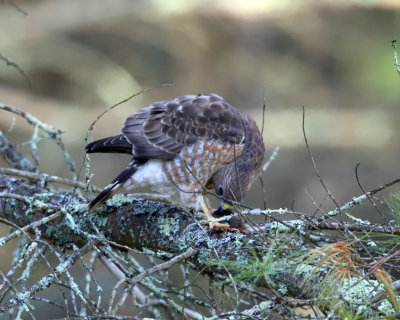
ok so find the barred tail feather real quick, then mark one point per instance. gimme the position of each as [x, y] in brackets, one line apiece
[115, 184]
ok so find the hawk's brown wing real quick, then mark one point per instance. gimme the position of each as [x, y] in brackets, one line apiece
[161, 130]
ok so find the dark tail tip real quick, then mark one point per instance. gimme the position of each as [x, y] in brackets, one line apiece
[115, 184]
[103, 196]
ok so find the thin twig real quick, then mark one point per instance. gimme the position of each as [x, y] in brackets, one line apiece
[357, 200]
[165, 265]
[396, 61]
[368, 197]
[11, 63]
[43, 177]
[31, 119]
[137, 292]
[46, 281]
[264, 107]
[49, 132]
[123, 274]
[272, 157]
[378, 228]
[14, 196]
[313, 162]
[121, 102]
[12, 4]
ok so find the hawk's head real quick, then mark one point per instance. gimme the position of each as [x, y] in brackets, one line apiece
[233, 181]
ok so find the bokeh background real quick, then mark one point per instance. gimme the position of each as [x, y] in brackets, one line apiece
[333, 57]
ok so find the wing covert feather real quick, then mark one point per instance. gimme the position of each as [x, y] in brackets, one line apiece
[164, 128]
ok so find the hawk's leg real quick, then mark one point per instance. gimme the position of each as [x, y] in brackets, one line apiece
[214, 225]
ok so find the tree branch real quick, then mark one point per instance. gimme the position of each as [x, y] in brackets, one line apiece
[145, 224]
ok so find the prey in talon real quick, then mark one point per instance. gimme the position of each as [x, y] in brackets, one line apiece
[232, 222]
[182, 148]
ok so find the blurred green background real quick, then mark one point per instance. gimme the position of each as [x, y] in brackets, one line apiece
[332, 57]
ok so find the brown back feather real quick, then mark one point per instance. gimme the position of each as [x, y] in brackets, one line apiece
[161, 130]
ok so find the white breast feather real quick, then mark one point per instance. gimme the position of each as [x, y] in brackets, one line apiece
[152, 175]
[149, 174]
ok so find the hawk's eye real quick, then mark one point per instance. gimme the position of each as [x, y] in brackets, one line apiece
[220, 191]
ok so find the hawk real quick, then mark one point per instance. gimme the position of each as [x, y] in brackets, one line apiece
[184, 147]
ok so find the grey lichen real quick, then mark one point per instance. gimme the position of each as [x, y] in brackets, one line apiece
[371, 243]
[347, 206]
[119, 200]
[278, 227]
[139, 224]
[168, 226]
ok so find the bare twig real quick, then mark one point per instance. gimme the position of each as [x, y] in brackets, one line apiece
[138, 293]
[357, 200]
[378, 228]
[165, 265]
[11, 63]
[396, 61]
[44, 178]
[165, 300]
[264, 107]
[14, 196]
[12, 4]
[49, 132]
[368, 197]
[314, 165]
[33, 225]
[122, 102]
[31, 119]
[270, 159]
[46, 281]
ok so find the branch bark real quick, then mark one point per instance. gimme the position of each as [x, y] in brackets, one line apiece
[128, 222]
[144, 224]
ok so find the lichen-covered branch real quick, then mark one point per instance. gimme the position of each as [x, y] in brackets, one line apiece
[152, 225]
